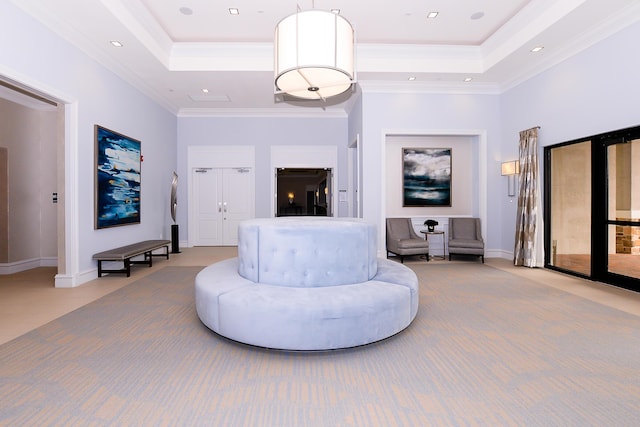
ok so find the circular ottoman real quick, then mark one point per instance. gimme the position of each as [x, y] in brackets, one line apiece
[306, 283]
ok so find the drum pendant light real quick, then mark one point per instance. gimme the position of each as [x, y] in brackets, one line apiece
[314, 55]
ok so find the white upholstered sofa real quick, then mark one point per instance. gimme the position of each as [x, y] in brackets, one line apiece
[306, 283]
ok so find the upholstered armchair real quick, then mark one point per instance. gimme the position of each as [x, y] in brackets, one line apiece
[403, 240]
[465, 237]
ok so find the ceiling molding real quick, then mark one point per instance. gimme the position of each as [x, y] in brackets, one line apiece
[173, 73]
[579, 43]
[533, 20]
[467, 88]
[221, 57]
[317, 112]
[137, 20]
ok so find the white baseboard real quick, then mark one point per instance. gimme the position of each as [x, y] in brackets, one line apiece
[498, 253]
[49, 262]
[71, 281]
[61, 280]
[27, 264]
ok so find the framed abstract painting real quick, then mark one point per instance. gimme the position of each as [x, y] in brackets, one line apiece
[117, 182]
[426, 177]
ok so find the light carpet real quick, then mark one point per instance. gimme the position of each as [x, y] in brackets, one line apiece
[486, 348]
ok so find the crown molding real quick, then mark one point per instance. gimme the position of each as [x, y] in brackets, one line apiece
[144, 27]
[483, 62]
[316, 113]
[459, 88]
[531, 21]
[595, 34]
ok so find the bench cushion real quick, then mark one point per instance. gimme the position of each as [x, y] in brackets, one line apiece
[129, 251]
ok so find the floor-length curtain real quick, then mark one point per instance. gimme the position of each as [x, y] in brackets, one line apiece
[528, 249]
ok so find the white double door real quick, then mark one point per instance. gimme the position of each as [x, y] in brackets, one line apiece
[222, 198]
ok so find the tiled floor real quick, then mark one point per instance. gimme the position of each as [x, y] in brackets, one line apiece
[625, 264]
[29, 299]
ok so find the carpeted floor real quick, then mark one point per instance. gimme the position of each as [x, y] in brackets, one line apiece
[486, 348]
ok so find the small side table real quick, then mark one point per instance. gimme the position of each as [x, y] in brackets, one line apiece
[435, 233]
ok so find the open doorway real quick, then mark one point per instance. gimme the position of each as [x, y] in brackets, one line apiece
[32, 142]
[303, 191]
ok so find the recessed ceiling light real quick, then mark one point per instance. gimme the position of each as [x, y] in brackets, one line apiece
[234, 11]
[468, 79]
[477, 15]
[537, 49]
[412, 78]
[116, 43]
[432, 15]
[186, 11]
[205, 90]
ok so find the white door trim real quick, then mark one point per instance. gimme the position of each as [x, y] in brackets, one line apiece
[308, 157]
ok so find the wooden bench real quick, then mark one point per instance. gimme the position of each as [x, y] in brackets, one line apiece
[125, 253]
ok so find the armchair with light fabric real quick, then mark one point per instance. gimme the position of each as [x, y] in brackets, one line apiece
[465, 237]
[402, 239]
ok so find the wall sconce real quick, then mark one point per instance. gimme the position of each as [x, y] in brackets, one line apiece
[291, 197]
[510, 170]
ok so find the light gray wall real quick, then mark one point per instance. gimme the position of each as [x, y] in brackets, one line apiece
[355, 135]
[464, 153]
[36, 57]
[594, 92]
[428, 114]
[263, 133]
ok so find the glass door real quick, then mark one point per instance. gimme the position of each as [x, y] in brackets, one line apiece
[623, 208]
[592, 208]
[569, 195]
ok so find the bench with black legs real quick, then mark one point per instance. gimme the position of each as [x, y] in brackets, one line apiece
[125, 253]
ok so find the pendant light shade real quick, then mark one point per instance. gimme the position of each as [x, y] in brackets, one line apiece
[313, 55]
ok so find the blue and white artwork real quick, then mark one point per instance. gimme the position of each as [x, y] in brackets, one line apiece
[118, 179]
[426, 176]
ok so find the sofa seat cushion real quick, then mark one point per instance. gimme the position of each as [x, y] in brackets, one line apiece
[411, 244]
[314, 318]
[467, 244]
[306, 318]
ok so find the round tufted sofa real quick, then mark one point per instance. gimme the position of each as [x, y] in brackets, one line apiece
[306, 283]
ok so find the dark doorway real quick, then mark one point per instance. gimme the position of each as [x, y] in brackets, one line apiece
[303, 191]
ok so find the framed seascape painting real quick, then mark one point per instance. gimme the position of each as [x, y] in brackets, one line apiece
[426, 177]
[117, 193]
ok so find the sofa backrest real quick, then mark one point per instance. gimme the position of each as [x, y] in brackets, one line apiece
[465, 228]
[307, 251]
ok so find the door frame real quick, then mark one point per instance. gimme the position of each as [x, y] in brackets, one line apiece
[66, 139]
[215, 156]
[307, 157]
[600, 221]
[600, 210]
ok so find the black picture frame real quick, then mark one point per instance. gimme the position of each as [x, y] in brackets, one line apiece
[426, 176]
[117, 180]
